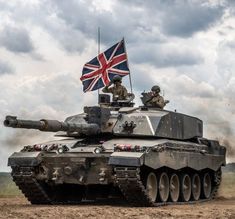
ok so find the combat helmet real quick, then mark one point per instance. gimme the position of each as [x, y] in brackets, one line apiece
[117, 78]
[156, 89]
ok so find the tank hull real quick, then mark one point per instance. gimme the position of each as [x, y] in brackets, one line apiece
[50, 177]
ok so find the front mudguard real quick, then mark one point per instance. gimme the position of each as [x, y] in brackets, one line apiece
[27, 159]
[127, 159]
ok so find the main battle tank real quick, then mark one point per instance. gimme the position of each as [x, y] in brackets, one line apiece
[147, 155]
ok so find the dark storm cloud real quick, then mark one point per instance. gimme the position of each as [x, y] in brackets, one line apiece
[134, 23]
[165, 56]
[5, 68]
[16, 40]
[184, 20]
[73, 24]
[43, 16]
[86, 19]
[181, 18]
[122, 21]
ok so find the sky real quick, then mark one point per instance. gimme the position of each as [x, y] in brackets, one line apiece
[185, 47]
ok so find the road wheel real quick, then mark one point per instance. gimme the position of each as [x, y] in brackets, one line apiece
[196, 187]
[185, 187]
[163, 187]
[206, 186]
[174, 187]
[151, 186]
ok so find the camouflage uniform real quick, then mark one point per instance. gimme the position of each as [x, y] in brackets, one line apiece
[119, 92]
[157, 101]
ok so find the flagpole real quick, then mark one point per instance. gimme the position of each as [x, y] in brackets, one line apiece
[98, 52]
[128, 66]
[130, 81]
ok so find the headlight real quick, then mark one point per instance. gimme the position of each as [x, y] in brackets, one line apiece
[98, 150]
[62, 149]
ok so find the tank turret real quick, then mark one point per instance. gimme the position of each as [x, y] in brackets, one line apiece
[124, 121]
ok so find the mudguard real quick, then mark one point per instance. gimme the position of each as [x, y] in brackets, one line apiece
[127, 159]
[25, 159]
[180, 159]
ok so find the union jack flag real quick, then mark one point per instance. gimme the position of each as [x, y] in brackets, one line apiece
[98, 72]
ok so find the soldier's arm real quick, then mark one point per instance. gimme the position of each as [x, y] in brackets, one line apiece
[161, 102]
[107, 89]
[158, 102]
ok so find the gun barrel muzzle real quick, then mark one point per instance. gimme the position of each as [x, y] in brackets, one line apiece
[10, 121]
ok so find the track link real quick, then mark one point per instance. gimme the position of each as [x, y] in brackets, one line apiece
[129, 182]
[216, 183]
[31, 188]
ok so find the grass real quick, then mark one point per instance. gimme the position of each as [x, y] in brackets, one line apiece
[227, 188]
[9, 189]
[7, 186]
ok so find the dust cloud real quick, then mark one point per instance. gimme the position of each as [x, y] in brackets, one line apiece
[21, 137]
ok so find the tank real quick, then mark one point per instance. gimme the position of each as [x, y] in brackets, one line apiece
[148, 156]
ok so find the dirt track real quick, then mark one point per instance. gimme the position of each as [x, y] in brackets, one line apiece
[20, 208]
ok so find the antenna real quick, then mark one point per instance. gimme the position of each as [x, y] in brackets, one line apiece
[98, 42]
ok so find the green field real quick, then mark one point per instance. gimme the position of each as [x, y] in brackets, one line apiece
[9, 189]
[7, 186]
[227, 189]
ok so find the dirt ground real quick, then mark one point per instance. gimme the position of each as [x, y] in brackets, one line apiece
[222, 207]
[18, 207]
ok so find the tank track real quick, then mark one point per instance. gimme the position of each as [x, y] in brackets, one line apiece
[126, 178]
[36, 192]
[129, 182]
[216, 183]
[31, 188]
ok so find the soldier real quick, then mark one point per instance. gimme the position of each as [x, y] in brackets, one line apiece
[118, 90]
[156, 100]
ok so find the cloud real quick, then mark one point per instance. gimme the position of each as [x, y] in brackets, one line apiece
[72, 40]
[183, 85]
[5, 68]
[165, 55]
[230, 91]
[49, 95]
[181, 18]
[133, 23]
[184, 18]
[16, 40]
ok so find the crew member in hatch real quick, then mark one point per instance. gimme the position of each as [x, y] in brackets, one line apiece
[156, 100]
[118, 90]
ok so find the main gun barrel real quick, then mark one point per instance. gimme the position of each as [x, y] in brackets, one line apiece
[52, 125]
